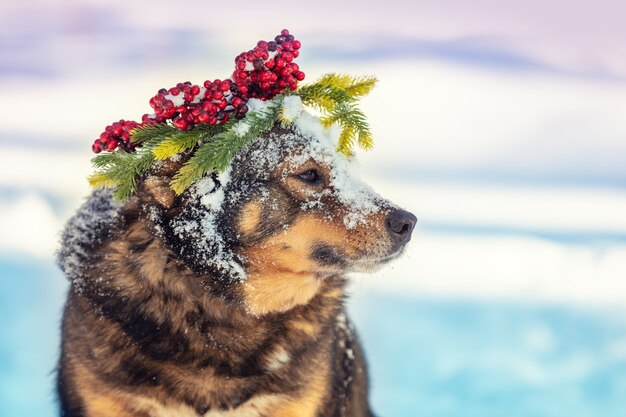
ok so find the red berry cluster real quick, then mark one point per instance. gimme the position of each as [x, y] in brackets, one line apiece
[268, 69]
[116, 135]
[187, 104]
[262, 72]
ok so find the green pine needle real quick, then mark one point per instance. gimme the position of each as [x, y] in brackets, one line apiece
[120, 169]
[354, 125]
[336, 97]
[177, 143]
[151, 132]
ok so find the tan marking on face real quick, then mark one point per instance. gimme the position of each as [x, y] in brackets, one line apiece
[280, 279]
[250, 218]
[290, 249]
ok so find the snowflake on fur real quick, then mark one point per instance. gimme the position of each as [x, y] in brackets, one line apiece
[218, 119]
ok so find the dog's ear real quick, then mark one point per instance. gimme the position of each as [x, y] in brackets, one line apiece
[155, 187]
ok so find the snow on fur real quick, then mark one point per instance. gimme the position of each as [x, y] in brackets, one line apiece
[88, 228]
[203, 227]
[345, 182]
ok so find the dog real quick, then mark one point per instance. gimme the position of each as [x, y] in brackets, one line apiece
[226, 300]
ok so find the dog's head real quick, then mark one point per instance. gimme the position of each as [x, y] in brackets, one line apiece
[289, 213]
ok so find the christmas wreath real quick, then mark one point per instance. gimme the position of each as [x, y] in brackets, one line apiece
[213, 122]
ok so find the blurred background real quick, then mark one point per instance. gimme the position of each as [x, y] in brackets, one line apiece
[500, 124]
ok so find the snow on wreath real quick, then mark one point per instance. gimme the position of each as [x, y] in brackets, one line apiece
[213, 122]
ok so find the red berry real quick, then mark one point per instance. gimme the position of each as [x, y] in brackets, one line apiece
[180, 123]
[296, 45]
[284, 32]
[264, 76]
[236, 102]
[203, 117]
[117, 129]
[258, 63]
[96, 147]
[299, 75]
[262, 45]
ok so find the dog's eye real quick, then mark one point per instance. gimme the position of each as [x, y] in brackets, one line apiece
[312, 176]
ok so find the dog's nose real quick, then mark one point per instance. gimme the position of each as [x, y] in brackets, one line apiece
[400, 224]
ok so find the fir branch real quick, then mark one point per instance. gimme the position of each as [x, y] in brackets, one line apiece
[120, 169]
[336, 97]
[354, 125]
[361, 86]
[354, 86]
[101, 180]
[322, 97]
[217, 153]
[333, 89]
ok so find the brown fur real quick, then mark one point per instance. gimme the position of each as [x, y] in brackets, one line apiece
[147, 331]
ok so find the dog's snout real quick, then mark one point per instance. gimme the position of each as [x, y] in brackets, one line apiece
[400, 225]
